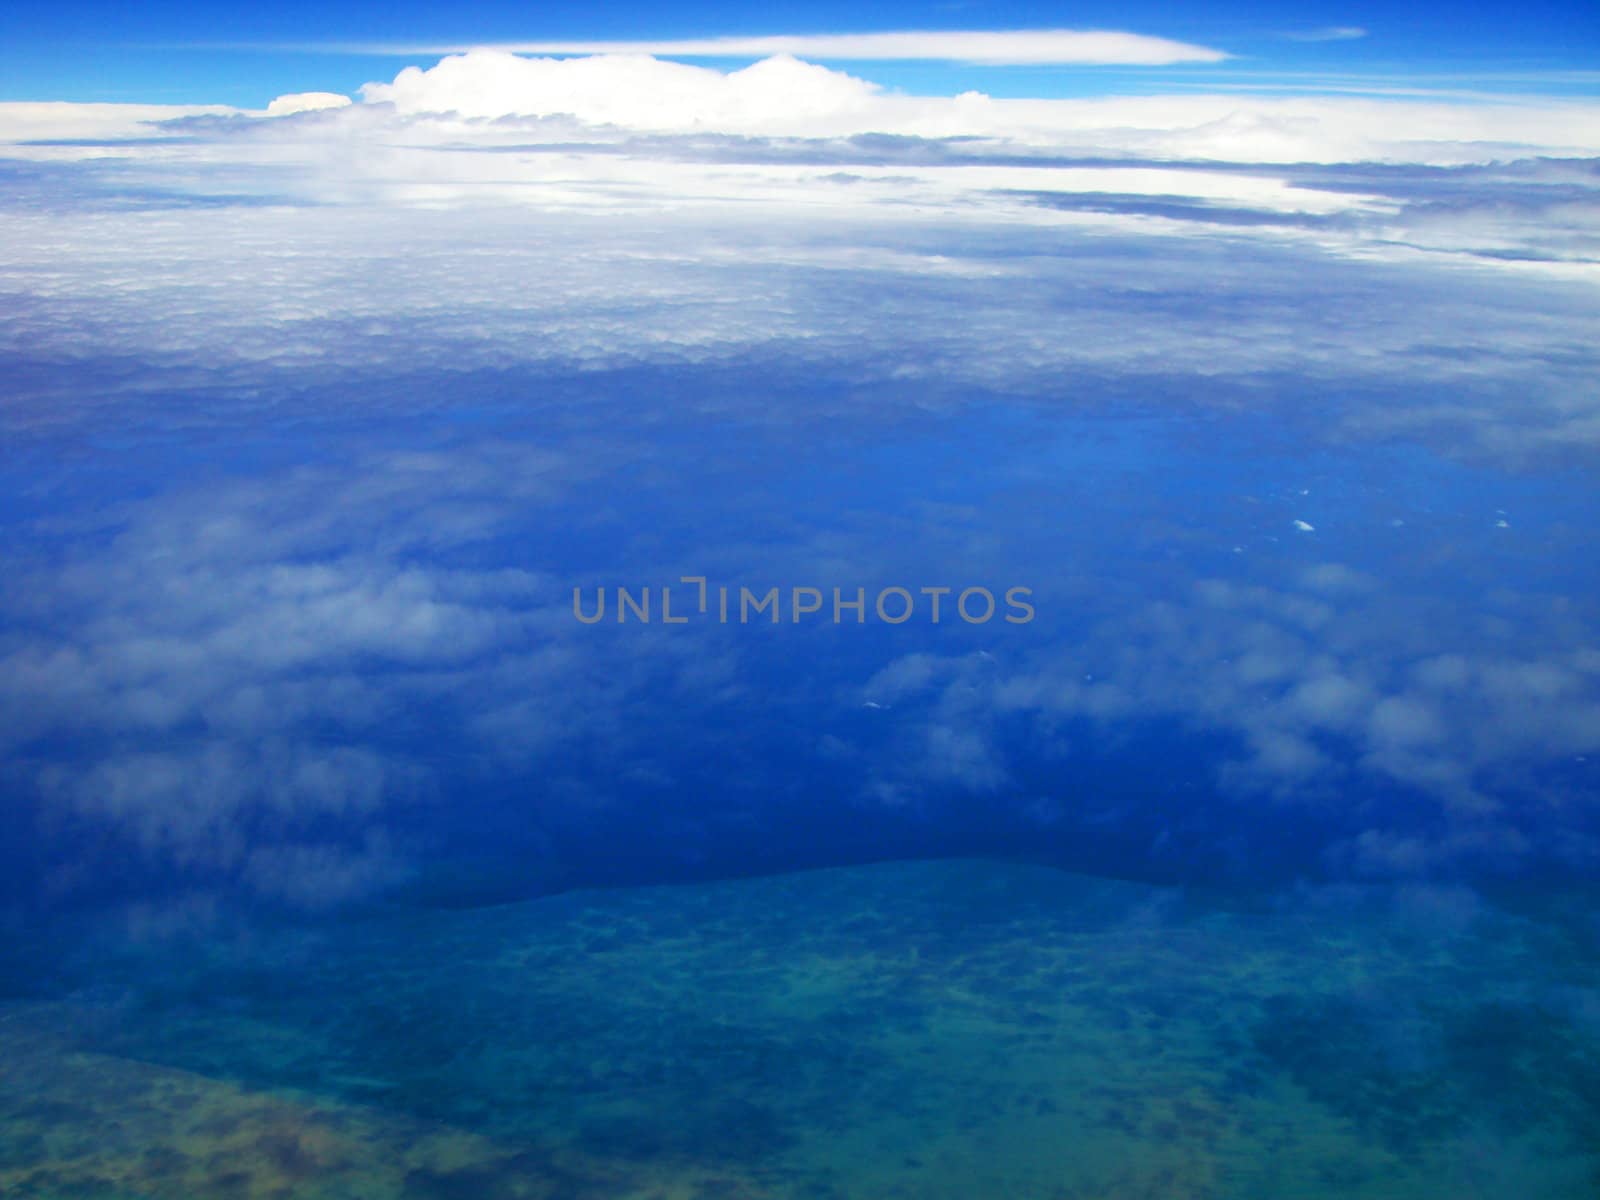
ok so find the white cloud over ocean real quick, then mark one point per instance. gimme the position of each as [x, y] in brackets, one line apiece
[315, 414]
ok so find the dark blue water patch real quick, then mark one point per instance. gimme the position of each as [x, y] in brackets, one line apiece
[1107, 500]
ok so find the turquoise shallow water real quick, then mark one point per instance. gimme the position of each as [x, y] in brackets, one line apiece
[939, 1029]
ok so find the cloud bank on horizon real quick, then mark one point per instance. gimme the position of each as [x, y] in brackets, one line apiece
[623, 87]
[315, 415]
[631, 132]
[784, 96]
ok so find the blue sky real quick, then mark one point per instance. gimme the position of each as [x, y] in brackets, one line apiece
[170, 52]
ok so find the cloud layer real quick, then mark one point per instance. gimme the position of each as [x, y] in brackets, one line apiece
[783, 96]
[314, 417]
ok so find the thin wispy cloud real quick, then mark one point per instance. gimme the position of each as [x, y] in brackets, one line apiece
[1022, 47]
[1328, 33]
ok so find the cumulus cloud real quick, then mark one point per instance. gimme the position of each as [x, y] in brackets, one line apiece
[785, 96]
[1326, 705]
[232, 683]
[293, 683]
[298, 102]
[634, 91]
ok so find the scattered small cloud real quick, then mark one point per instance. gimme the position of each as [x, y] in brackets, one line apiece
[1328, 33]
[298, 102]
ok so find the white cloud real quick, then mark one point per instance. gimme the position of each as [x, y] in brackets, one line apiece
[23, 121]
[783, 96]
[1030, 47]
[298, 102]
[243, 652]
[1328, 33]
[634, 91]
[228, 291]
[1322, 715]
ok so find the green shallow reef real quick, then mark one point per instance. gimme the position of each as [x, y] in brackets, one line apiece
[938, 1030]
